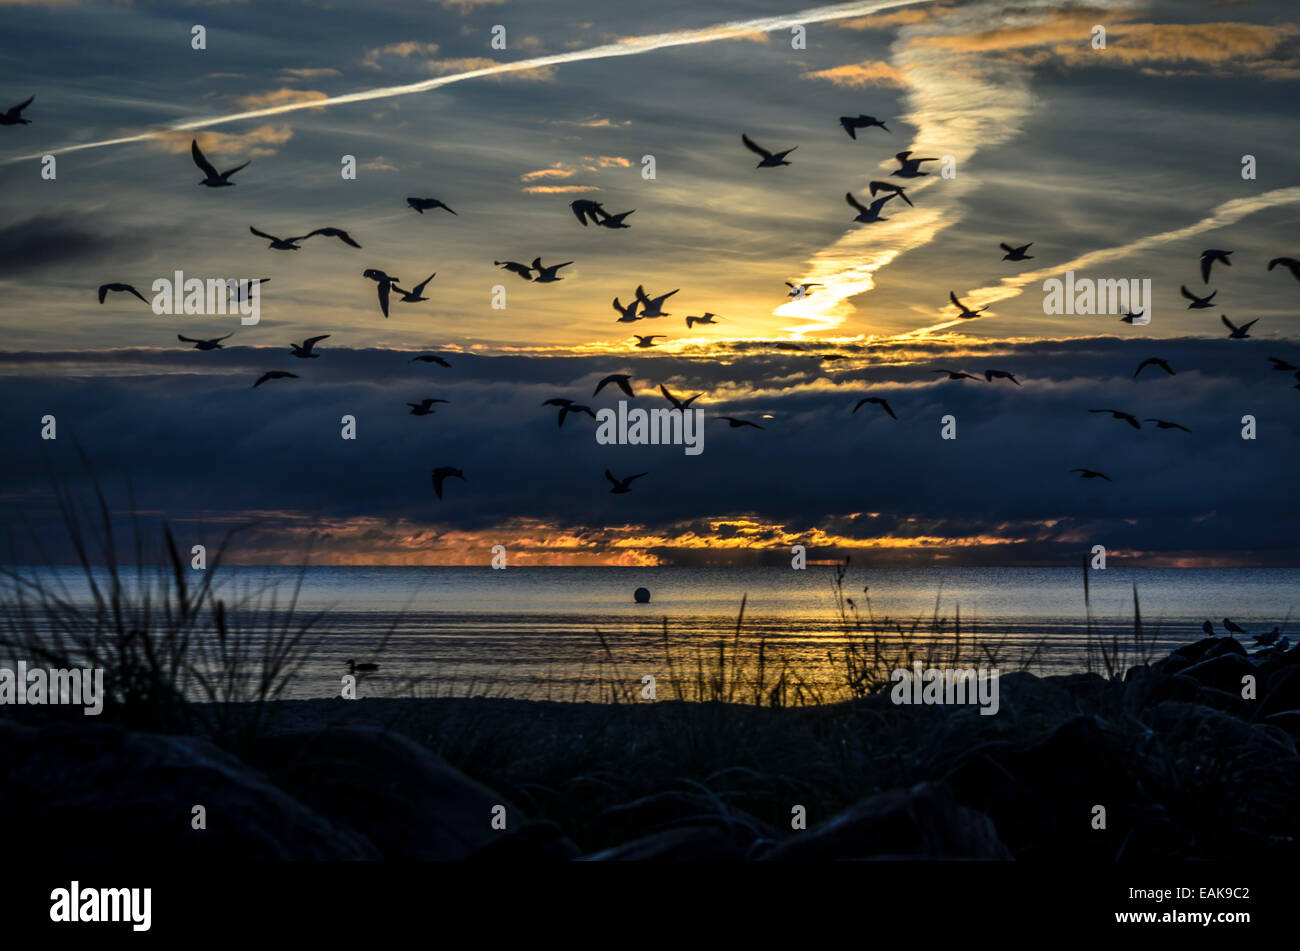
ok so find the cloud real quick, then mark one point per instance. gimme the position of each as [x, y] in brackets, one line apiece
[279, 97]
[858, 75]
[48, 241]
[607, 161]
[317, 73]
[463, 64]
[559, 189]
[404, 49]
[258, 141]
[379, 164]
[557, 171]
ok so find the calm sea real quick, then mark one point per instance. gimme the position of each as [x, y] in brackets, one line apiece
[532, 632]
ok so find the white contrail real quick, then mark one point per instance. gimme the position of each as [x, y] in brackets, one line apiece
[631, 46]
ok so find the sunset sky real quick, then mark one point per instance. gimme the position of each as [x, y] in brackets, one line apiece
[1116, 163]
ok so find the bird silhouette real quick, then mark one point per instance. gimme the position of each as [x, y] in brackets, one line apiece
[737, 423]
[1290, 264]
[274, 375]
[213, 178]
[354, 668]
[957, 375]
[523, 270]
[910, 167]
[1208, 628]
[1197, 303]
[212, 344]
[852, 124]
[424, 407]
[615, 222]
[622, 486]
[706, 318]
[14, 114]
[385, 282]
[621, 380]
[653, 306]
[125, 288]
[867, 215]
[584, 208]
[889, 187]
[1153, 362]
[1092, 474]
[1165, 424]
[547, 275]
[883, 404]
[1129, 317]
[331, 233]
[678, 403]
[1120, 414]
[430, 358]
[567, 406]
[278, 244]
[1235, 332]
[800, 290]
[1232, 628]
[1016, 254]
[628, 314]
[991, 375]
[648, 340]
[1282, 364]
[441, 474]
[427, 204]
[415, 294]
[1208, 257]
[1264, 640]
[966, 312]
[304, 350]
[768, 159]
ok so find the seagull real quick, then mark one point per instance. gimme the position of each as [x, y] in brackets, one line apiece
[1263, 640]
[425, 406]
[853, 123]
[385, 283]
[614, 222]
[1280, 364]
[213, 344]
[878, 401]
[647, 341]
[1154, 362]
[274, 375]
[330, 233]
[653, 306]
[238, 290]
[1092, 474]
[1208, 628]
[1197, 303]
[1165, 424]
[214, 178]
[1120, 414]
[800, 290]
[1208, 257]
[278, 244]
[737, 423]
[14, 114]
[425, 204]
[1232, 628]
[769, 159]
[621, 380]
[304, 350]
[105, 288]
[1238, 333]
[629, 315]
[442, 473]
[991, 375]
[1290, 263]
[706, 318]
[910, 167]
[957, 375]
[1128, 318]
[584, 208]
[889, 187]
[523, 270]
[546, 275]
[678, 404]
[1016, 254]
[427, 358]
[567, 406]
[966, 312]
[867, 215]
[622, 486]
[416, 294]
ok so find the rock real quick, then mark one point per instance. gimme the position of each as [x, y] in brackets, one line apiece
[1280, 692]
[925, 821]
[102, 793]
[685, 844]
[659, 811]
[1192, 653]
[1224, 672]
[534, 842]
[403, 798]
[1225, 645]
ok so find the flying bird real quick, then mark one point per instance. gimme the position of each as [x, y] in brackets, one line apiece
[426, 204]
[1208, 257]
[239, 290]
[867, 215]
[769, 159]
[1290, 264]
[567, 406]
[853, 123]
[547, 275]
[614, 222]
[889, 187]
[425, 407]
[523, 270]
[105, 288]
[1092, 474]
[707, 318]
[910, 167]
[627, 313]
[653, 306]
[621, 380]
[213, 344]
[800, 290]
[966, 312]
[957, 375]
[737, 423]
[304, 349]
[385, 282]
[1016, 254]
[274, 375]
[331, 233]
[648, 340]
[991, 375]
[1154, 362]
[1237, 333]
[278, 244]
[1281, 364]
[1197, 303]
[430, 358]
[678, 403]
[415, 294]
[1129, 317]
[14, 114]
[622, 486]
[213, 179]
[1120, 414]
[442, 473]
[1166, 424]
[584, 208]
[883, 404]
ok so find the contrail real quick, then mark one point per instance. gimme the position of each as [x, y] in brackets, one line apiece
[631, 46]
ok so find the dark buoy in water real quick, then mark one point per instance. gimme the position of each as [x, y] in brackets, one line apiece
[642, 595]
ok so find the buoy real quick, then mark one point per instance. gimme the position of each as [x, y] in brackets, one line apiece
[642, 595]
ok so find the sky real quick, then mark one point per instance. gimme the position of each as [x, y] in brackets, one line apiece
[1117, 163]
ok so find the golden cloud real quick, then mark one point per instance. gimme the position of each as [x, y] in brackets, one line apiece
[317, 73]
[251, 143]
[464, 64]
[558, 189]
[857, 75]
[279, 97]
[556, 171]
